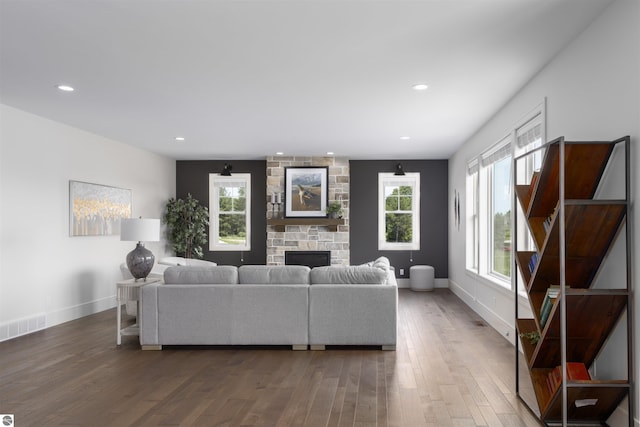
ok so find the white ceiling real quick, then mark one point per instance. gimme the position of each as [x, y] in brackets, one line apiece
[244, 79]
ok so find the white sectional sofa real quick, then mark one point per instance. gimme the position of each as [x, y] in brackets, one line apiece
[270, 305]
[352, 306]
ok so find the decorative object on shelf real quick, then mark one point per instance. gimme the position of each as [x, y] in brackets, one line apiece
[140, 260]
[187, 221]
[399, 170]
[96, 210]
[334, 210]
[306, 191]
[276, 200]
[226, 171]
[533, 337]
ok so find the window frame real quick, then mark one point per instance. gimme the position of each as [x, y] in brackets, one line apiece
[529, 134]
[214, 211]
[473, 216]
[479, 251]
[386, 179]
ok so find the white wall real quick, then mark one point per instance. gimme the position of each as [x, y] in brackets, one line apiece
[46, 276]
[592, 91]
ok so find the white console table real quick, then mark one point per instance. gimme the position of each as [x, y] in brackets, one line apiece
[129, 290]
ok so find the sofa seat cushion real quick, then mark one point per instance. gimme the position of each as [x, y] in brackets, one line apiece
[273, 274]
[218, 275]
[353, 275]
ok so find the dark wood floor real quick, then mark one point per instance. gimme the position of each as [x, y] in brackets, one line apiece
[449, 370]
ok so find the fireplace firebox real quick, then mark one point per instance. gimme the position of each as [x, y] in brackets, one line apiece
[308, 258]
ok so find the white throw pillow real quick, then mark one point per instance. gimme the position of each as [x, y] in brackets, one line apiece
[383, 263]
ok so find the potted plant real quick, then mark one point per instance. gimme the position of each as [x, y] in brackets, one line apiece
[187, 222]
[334, 209]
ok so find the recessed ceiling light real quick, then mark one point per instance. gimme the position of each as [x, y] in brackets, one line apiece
[329, 153]
[65, 88]
[179, 138]
[279, 153]
[420, 86]
[405, 138]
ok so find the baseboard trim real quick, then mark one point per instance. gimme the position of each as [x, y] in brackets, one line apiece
[404, 283]
[19, 327]
[487, 314]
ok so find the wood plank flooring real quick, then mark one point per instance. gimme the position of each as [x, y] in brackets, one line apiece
[449, 369]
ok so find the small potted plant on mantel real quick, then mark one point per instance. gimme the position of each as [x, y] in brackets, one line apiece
[334, 210]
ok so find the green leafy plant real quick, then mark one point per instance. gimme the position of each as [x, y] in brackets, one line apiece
[334, 209]
[187, 222]
[533, 337]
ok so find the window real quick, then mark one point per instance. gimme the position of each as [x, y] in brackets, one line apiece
[500, 214]
[489, 198]
[230, 207]
[472, 215]
[399, 211]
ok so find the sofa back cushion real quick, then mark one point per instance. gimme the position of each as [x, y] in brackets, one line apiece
[197, 275]
[353, 275]
[174, 260]
[273, 274]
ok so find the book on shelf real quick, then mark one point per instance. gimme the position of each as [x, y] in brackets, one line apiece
[547, 303]
[546, 310]
[549, 220]
[533, 261]
[576, 371]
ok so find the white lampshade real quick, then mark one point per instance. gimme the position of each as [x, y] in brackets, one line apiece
[140, 230]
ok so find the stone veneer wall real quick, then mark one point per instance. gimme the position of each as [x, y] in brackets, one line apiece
[309, 237]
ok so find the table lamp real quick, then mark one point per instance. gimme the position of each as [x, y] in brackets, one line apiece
[140, 260]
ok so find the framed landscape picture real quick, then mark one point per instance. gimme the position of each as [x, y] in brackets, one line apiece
[306, 191]
[96, 210]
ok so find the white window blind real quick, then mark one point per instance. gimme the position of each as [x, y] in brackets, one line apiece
[473, 167]
[530, 132]
[498, 152]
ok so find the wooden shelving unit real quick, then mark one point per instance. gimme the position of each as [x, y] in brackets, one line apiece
[281, 223]
[582, 317]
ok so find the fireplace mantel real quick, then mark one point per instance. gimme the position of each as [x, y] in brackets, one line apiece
[281, 223]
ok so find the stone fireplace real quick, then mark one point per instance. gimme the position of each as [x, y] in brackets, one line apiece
[314, 237]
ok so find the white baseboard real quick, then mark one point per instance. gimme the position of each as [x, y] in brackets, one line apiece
[490, 316]
[24, 326]
[406, 283]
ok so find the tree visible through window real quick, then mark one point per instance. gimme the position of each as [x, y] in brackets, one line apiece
[230, 198]
[399, 216]
[501, 211]
[232, 216]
